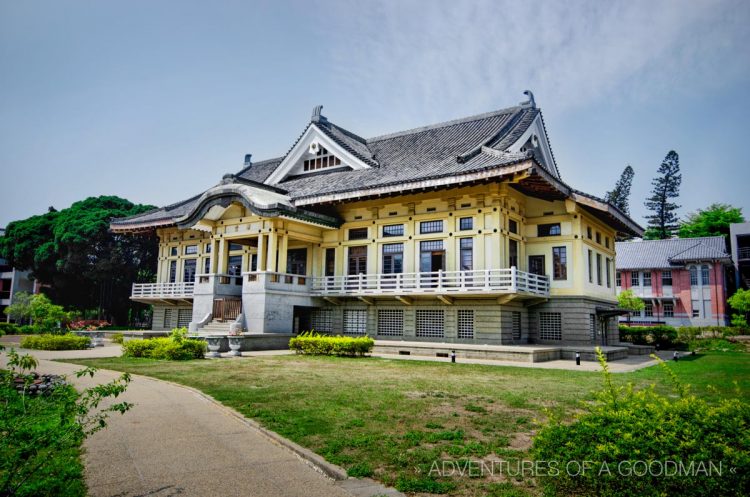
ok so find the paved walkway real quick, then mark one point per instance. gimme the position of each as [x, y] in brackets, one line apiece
[177, 442]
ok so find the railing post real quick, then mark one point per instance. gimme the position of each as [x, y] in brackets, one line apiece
[361, 281]
[513, 279]
[440, 278]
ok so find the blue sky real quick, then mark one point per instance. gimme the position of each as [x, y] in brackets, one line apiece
[155, 100]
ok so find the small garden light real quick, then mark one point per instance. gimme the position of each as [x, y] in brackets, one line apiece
[578, 358]
[453, 356]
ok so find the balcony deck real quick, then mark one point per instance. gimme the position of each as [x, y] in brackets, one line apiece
[163, 292]
[481, 282]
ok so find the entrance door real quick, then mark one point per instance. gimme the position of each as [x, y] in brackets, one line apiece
[357, 265]
[536, 265]
[296, 261]
[431, 260]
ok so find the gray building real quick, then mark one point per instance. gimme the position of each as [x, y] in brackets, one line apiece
[739, 234]
[12, 281]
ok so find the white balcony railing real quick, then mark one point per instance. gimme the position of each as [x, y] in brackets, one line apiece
[269, 280]
[162, 290]
[499, 281]
[743, 253]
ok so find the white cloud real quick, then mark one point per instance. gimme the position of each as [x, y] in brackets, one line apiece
[428, 58]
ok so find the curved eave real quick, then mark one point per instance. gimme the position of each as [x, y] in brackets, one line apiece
[141, 227]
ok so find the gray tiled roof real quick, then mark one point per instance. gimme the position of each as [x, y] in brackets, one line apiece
[655, 254]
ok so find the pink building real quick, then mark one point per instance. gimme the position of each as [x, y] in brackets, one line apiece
[681, 280]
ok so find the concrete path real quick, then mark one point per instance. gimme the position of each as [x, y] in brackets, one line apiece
[175, 441]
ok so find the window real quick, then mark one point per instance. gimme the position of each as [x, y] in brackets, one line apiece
[548, 229]
[466, 223]
[207, 248]
[296, 261]
[693, 276]
[430, 227]
[172, 271]
[357, 260]
[393, 230]
[323, 159]
[618, 278]
[467, 254]
[648, 309]
[592, 326]
[606, 241]
[167, 322]
[430, 323]
[465, 323]
[512, 253]
[191, 249]
[184, 316]
[321, 320]
[668, 310]
[173, 251]
[647, 278]
[695, 305]
[513, 226]
[233, 247]
[393, 258]
[559, 263]
[607, 265]
[207, 265]
[431, 256]
[355, 321]
[330, 268]
[598, 238]
[391, 322]
[234, 265]
[536, 265]
[550, 326]
[666, 278]
[599, 269]
[254, 263]
[358, 234]
[704, 275]
[516, 325]
[591, 266]
[188, 270]
[589, 232]
[634, 279]
[706, 309]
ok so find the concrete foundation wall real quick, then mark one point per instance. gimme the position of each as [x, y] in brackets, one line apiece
[576, 321]
[166, 317]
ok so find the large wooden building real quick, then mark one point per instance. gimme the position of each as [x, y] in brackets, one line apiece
[461, 232]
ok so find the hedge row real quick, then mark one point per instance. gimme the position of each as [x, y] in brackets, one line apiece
[55, 342]
[316, 344]
[665, 336]
[172, 349]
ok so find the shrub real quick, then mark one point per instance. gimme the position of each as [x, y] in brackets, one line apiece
[664, 431]
[8, 329]
[55, 342]
[315, 344]
[174, 348]
[87, 324]
[25, 329]
[118, 338]
[660, 336]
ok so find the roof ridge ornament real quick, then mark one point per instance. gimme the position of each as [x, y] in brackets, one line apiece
[530, 103]
[317, 116]
[228, 178]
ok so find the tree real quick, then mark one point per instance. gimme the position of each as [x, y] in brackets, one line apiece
[712, 221]
[740, 302]
[663, 222]
[19, 309]
[619, 197]
[630, 301]
[85, 265]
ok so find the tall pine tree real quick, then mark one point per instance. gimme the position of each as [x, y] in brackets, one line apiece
[619, 197]
[663, 222]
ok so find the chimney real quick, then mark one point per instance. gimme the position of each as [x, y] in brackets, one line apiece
[248, 160]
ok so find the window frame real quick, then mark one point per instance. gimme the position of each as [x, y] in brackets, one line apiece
[469, 223]
[548, 229]
[399, 230]
[428, 227]
[560, 263]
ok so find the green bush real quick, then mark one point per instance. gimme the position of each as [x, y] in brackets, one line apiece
[316, 344]
[663, 336]
[55, 342]
[640, 435]
[8, 329]
[118, 338]
[173, 348]
[26, 329]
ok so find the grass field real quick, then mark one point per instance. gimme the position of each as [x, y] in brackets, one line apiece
[391, 419]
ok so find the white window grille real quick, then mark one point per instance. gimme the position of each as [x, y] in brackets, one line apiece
[167, 318]
[465, 323]
[648, 310]
[550, 326]
[668, 310]
[430, 323]
[184, 316]
[391, 322]
[516, 325]
[355, 321]
[321, 320]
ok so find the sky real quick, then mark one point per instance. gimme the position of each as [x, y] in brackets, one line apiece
[155, 100]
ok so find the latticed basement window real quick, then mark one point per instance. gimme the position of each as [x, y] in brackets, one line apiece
[391, 322]
[167, 318]
[184, 316]
[355, 321]
[323, 159]
[550, 326]
[430, 323]
[516, 325]
[321, 320]
[465, 323]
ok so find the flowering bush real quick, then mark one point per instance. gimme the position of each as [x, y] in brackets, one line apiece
[87, 324]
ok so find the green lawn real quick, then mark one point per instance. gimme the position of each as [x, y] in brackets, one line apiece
[392, 418]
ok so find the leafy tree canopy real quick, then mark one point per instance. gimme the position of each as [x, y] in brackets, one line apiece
[73, 251]
[630, 301]
[712, 221]
[663, 222]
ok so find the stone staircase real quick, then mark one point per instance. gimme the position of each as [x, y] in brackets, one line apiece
[215, 328]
